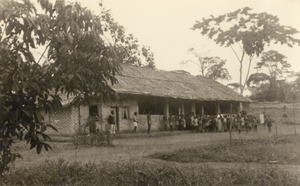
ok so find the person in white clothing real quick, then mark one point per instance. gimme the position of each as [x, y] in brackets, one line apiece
[135, 122]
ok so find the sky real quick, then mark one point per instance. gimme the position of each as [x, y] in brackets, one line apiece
[165, 26]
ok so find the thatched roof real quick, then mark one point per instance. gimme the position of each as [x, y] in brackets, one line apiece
[145, 81]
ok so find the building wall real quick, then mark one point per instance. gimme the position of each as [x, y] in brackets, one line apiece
[75, 123]
[70, 120]
[65, 120]
[156, 120]
[128, 104]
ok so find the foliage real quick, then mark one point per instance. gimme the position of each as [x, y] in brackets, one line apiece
[257, 78]
[149, 57]
[270, 86]
[296, 87]
[127, 47]
[141, 173]
[78, 57]
[209, 67]
[275, 63]
[282, 150]
[282, 91]
[249, 31]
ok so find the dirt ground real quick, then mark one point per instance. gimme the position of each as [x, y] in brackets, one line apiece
[131, 147]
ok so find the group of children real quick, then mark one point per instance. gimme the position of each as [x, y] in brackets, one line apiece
[211, 123]
[198, 123]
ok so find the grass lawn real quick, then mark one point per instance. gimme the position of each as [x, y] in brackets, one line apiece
[71, 165]
[283, 150]
[61, 172]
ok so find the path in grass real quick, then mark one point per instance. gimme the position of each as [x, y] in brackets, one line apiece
[137, 148]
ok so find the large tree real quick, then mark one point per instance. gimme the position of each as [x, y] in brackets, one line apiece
[275, 63]
[209, 67]
[270, 84]
[248, 32]
[79, 57]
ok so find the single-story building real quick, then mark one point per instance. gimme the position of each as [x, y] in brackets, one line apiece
[159, 92]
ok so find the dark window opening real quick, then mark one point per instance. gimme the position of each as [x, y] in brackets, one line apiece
[93, 111]
[199, 108]
[225, 107]
[235, 108]
[210, 108]
[187, 107]
[174, 107]
[152, 105]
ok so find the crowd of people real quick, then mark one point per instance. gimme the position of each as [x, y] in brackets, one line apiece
[197, 123]
[214, 123]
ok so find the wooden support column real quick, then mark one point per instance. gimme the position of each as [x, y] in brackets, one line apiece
[193, 107]
[240, 106]
[231, 108]
[166, 107]
[202, 108]
[218, 109]
[182, 108]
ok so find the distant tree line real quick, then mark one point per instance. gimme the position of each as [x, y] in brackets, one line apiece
[274, 80]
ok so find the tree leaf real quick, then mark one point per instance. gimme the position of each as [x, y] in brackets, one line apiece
[52, 127]
[39, 147]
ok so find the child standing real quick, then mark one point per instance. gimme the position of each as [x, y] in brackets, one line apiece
[135, 122]
[269, 122]
[171, 122]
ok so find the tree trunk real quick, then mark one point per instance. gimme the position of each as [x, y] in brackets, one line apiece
[247, 75]
[241, 76]
[241, 66]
